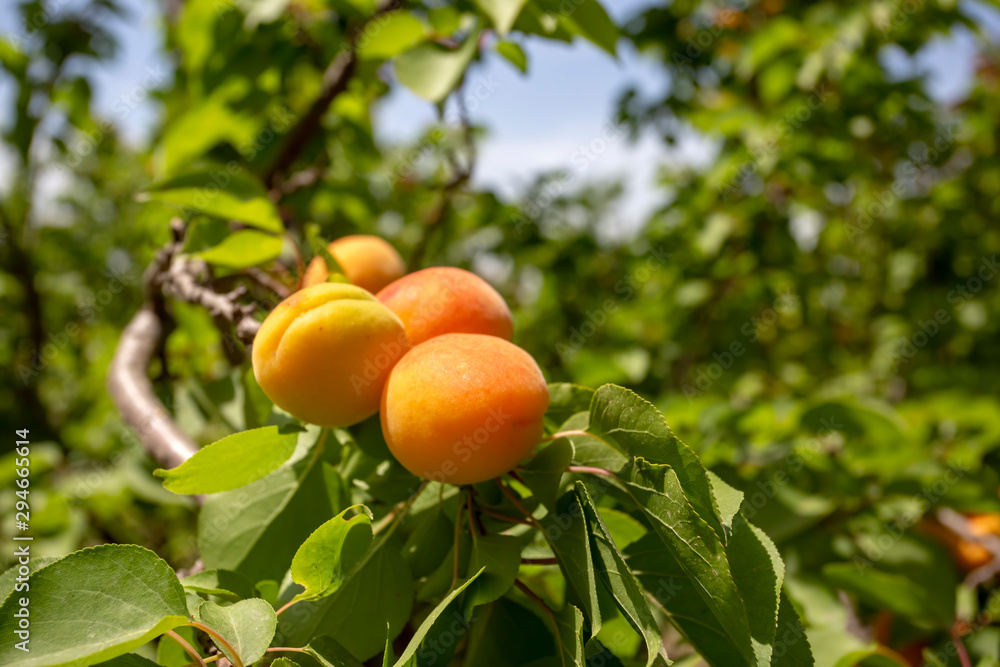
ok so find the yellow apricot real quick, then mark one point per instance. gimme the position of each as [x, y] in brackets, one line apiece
[369, 262]
[463, 408]
[442, 300]
[324, 353]
[315, 273]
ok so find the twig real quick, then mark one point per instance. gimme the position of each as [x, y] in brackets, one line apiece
[502, 517]
[510, 495]
[963, 654]
[198, 660]
[267, 281]
[539, 561]
[335, 80]
[219, 638]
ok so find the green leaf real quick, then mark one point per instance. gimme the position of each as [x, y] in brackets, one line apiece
[727, 499]
[389, 35]
[170, 654]
[506, 634]
[566, 532]
[791, 647]
[425, 626]
[94, 605]
[329, 555]
[758, 572]
[911, 578]
[256, 529]
[388, 656]
[223, 583]
[514, 54]
[247, 625]
[329, 653]
[614, 573]
[569, 622]
[432, 71]
[503, 13]
[696, 547]
[221, 193]
[128, 660]
[543, 473]
[429, 543]
[566, 399]
[590, 20]
[284, 662]
[356, 614]
[498, 558]
[9, 578]
[634, 427]
[243, 249]
[234, 461]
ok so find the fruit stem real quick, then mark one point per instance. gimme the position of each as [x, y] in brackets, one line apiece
[963, 654]
[399, 511]
[458, 534]
[198, 660]
[220, 639]
[591, 470]
[510, 495]
[502, 517]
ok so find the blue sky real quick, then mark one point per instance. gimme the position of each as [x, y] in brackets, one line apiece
[534, 123]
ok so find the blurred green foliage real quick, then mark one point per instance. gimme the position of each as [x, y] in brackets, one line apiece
[815, 311]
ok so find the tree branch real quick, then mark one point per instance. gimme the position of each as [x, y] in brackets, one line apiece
[335, 80]
[183, 278]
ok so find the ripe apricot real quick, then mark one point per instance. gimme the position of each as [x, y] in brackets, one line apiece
[442, 300]
[315, 273]
[463, 408]
[324, 353]
[369, 262]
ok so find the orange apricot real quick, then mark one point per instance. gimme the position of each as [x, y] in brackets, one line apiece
[463, 408]
[369, 262]
[324, 353]
[442, 300]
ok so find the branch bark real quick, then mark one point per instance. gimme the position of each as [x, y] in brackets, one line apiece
[170, 274]
[132, 392]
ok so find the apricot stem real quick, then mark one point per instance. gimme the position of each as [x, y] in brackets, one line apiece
[399, 511]
[458, 533]
[502, 517]
[521, 586]
[963, 654]
[510, 495]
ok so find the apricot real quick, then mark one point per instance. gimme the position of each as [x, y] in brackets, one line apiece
[463, 408]
[315, 273]
[324, 353]
[369, 262]
[442, 300]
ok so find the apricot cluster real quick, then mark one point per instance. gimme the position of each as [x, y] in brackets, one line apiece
[431, 352]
